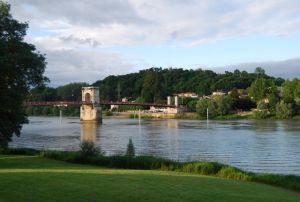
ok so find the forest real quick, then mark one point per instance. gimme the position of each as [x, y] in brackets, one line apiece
[155, 84]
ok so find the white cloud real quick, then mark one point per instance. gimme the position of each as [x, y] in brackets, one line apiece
[127, 22]
[65, 66]
[64, 29]
[287, 69]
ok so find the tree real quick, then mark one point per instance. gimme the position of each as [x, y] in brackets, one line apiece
[290, 90]
[261, 88]
[204, 104]
[130, 152]
[259, 71]
[283, 110]
[21, 67]
[151, 87]
[224, 105]
[201, 107]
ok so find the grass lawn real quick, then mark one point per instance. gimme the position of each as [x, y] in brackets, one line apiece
[31, 178]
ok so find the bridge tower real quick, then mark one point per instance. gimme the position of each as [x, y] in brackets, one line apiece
[90, 110]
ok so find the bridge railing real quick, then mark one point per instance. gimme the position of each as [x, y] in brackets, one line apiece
[66, 102]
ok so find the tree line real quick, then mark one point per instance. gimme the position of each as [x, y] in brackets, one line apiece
[271, 96]
[155, 84]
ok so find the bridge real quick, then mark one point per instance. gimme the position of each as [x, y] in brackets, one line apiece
[66, 102]
[90, 109]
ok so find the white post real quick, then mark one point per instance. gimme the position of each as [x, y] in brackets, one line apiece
[139, 116]
[169, 100]
[176, 101]
[207, 113]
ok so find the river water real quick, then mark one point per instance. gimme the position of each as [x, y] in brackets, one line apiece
[258, 146]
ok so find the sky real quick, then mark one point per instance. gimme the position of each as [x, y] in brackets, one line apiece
[87, 40]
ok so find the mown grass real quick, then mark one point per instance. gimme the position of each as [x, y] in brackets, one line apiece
[155, 163]
[32, 178]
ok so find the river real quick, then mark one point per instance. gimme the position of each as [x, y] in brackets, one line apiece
[259, 146]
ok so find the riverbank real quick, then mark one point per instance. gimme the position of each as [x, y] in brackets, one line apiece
[33, 178]
[185, 115]
[154, 163]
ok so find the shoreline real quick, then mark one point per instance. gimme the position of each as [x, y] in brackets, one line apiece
[205, 168]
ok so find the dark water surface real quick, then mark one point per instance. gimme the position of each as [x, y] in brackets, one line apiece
[259, 146]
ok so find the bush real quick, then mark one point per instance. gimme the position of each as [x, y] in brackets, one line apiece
[203, 168]
[130, 152]
[88, 149]
[108, 113]
[233, 173]
[283, 110]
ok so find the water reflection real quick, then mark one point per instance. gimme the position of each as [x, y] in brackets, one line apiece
[88, 131]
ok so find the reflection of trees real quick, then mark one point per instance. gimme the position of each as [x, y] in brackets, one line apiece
[265, 125]
[88, 131]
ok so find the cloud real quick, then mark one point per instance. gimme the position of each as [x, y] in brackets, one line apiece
[161, 22]
[65, 30]
[65, 66]
[287, 69]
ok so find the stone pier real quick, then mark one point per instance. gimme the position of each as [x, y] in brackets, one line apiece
[90, 111]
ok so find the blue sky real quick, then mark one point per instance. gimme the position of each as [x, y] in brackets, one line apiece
[88, 40]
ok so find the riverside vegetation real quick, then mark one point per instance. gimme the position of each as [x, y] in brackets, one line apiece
[91, 155]
[34, 178]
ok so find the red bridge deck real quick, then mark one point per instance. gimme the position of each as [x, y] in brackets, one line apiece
[61, 103]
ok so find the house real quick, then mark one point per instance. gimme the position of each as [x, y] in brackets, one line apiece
[187, 94]
[218, 93]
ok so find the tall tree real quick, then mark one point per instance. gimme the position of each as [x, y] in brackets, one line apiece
[21, 67]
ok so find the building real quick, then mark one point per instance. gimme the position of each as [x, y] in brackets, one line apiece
[187, 94]
[218, 93]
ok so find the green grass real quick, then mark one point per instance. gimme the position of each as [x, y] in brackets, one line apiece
[32, 178]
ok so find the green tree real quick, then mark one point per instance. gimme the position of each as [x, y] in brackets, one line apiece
[224, 104]
[201, 107]
[262, 110]
[70, 91]
[283, 110]
[261, 88]
[21, 67]
[259, 71]
[130, 149]
[151, 86]
[290, 90]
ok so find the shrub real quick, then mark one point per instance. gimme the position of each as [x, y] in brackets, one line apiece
[283, 110]
[233, 173]
[88, 149]
[203, 168]
[108, 113]
[130, 149]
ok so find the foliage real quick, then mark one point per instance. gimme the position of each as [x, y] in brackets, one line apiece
[262, 88]
[158, 83]
[291, 90]
[217, 106]
[283, 110]
[259, 71]
[201, 107]
[70, 110]
[88, 149]
[224, 104]
[70, 91]
[21, 67]
[130, 152]
[262, 111]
